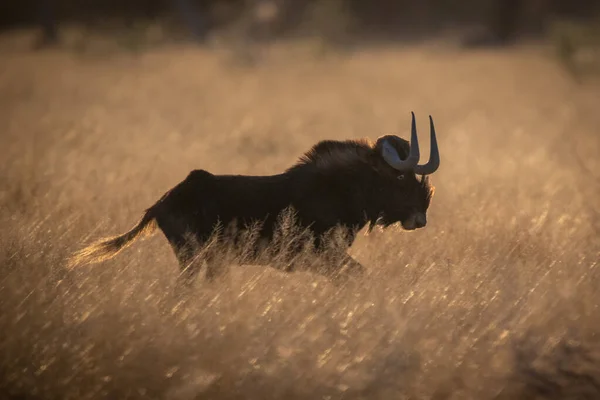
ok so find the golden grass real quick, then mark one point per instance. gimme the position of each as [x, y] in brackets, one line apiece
[496, 298]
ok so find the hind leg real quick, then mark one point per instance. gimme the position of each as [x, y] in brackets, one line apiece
[190, 262]
[191, 254]
[185, 246]
[216, 266]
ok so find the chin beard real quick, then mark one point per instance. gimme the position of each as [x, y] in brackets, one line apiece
[381, 223]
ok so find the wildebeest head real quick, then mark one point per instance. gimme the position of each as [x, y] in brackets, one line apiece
[406, 191]
[387, 179]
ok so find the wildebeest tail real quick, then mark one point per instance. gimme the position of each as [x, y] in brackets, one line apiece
[109, 247]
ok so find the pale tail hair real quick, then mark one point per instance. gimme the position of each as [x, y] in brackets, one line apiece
[107, 248]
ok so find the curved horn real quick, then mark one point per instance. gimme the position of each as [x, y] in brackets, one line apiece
[434, 155]
[390, 155]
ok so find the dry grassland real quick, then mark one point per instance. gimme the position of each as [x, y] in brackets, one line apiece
[497, 298]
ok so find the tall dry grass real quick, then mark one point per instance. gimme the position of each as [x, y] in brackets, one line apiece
[496, 298]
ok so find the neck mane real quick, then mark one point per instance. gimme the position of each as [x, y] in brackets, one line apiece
[334, 155]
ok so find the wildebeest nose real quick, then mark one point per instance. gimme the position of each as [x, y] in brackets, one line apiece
[420, 220]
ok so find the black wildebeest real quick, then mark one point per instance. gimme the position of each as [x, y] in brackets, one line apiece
[336, 184]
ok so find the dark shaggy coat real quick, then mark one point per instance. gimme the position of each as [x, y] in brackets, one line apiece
[336, 184]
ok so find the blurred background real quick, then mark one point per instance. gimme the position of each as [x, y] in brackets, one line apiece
[496, 21]
[105, 105]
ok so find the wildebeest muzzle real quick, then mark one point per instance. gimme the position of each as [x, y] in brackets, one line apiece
[414, 221]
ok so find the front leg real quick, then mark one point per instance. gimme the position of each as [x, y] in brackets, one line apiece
[339, 268]
[351, 267]
[348, 268]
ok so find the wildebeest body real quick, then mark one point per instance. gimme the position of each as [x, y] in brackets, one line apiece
[202, 201]
[336, 184]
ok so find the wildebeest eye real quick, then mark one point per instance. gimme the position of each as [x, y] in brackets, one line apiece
[400, 177]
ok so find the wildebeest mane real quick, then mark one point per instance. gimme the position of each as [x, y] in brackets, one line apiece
[333, 154]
